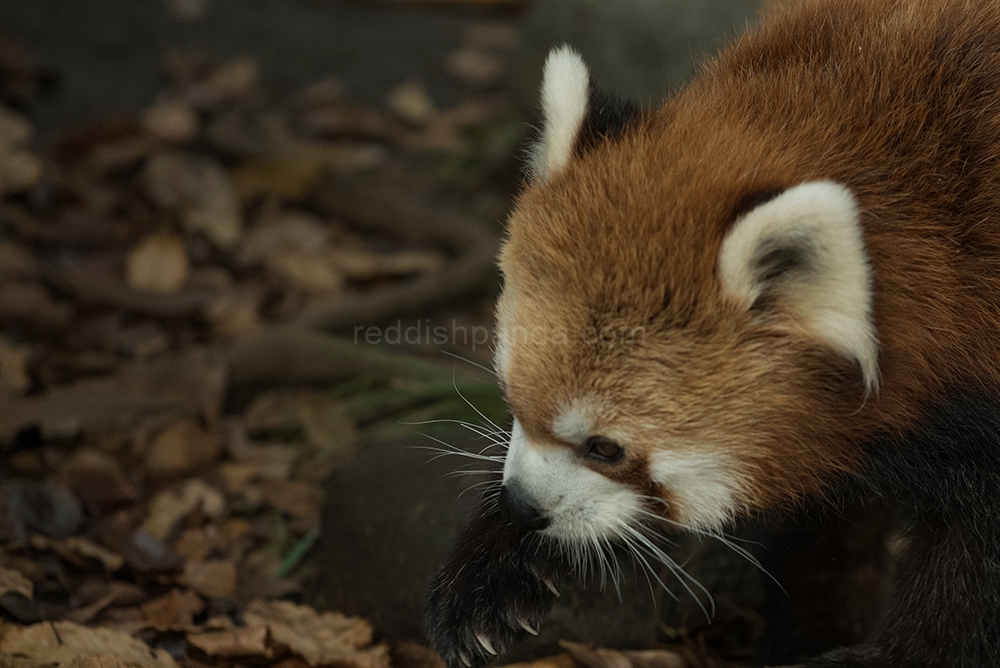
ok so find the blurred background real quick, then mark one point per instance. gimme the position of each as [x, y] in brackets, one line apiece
[246, 288]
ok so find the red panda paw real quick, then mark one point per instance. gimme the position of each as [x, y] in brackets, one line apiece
[496, 586]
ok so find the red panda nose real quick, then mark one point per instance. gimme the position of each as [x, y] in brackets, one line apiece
[520, 510]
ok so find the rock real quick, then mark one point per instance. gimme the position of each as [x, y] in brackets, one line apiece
[390, 517]
[640, 48]
[45, 507]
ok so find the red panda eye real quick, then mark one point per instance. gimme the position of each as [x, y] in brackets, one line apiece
[603, 449]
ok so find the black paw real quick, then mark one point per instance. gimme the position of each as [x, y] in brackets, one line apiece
[497, 585]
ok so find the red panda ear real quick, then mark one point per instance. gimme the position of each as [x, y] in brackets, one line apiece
[576, 114]
[803, 254]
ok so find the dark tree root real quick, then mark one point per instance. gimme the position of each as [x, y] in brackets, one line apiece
[497, 585]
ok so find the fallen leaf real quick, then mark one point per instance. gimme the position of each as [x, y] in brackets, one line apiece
[229, 81]
[14, 581]
[319, 638]
[172, 120]
[188, 10]
[15, 129]
[556, 661]
[293, 176]
[283, 230]
[273, 411]
[213, 578]
[182, 448]
[62, 643]
[198, 188]
[238, 642]
[479, 69]
[609, 658]
[306, 271]
[33, 305]
[172, 612]
[407, 654]
[16, 261]
[158, 264]
[295, 497]
[410, 102]
[117, 593]
[170, 506]
[233, 314]
[75, 548]
[14, 361]
[97, 479]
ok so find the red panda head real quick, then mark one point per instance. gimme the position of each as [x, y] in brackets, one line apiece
[686, 323]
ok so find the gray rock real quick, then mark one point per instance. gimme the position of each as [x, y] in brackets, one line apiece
[641, 48]
[389, 519]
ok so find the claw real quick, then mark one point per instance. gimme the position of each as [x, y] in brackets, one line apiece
[552, 587]
[465, 659]
[485, 642]
[527, 627]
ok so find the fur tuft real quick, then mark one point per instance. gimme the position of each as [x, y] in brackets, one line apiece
[565, 91]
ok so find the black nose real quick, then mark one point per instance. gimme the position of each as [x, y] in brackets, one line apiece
[519, 509]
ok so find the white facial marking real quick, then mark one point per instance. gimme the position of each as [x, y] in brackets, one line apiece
[832, 297]
[565, 91]
[575, 422]
[701, 485]
[581, 504]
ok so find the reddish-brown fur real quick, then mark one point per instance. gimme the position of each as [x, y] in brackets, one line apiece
[898, 100]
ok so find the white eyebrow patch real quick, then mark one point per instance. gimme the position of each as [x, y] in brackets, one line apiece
[575, 421]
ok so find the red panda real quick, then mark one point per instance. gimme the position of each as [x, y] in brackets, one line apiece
[783, 281]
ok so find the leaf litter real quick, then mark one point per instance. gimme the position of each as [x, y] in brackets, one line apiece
[150, 268]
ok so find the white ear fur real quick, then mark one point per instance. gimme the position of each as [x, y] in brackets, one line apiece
[565, 91]
[806, 249]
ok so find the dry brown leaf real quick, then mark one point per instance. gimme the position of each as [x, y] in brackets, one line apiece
[170, 506]
[319, 638]
[19, 169]
[238, 642]
[75, 548]
[479, 69]
[172, 612]
[233, 314]
[306, 271]
[158, 264]
[14, 581]
[118, 593]
[283, 230]
[407, 654]
[293, 176]
[61, 643]
[229, 81]
[609, 658]
[100, 661]
[198, 188]
[97, 479]
[188, 10]
[182, 448]
[14, 361]
[295, 497]
[214, 578]
[410, 102]
[555, 661]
